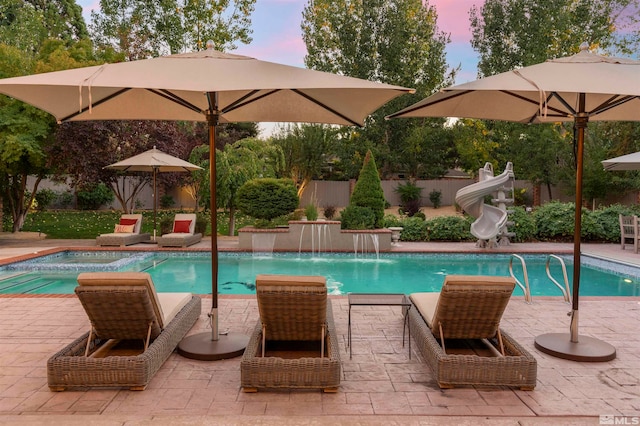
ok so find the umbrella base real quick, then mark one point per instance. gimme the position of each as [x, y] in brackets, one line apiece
[587, 349]
[201, 347]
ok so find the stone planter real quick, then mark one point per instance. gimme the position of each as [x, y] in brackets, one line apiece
[395, 234]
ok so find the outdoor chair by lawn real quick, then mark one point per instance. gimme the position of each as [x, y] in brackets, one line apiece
[133, 331]
[458, 333]
[294, 344]
[183, 232]
[126, 232]
[629, 231]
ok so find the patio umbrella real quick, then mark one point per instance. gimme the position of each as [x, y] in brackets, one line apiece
[624, 162]
[577, 88]
[206, 86]
[153, 161]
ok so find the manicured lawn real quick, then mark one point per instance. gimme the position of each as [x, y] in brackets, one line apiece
[71, 224]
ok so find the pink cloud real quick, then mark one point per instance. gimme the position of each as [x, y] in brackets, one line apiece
[453, 17]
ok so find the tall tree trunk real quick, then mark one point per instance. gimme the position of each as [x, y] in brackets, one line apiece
[20, 207]
[232, 223]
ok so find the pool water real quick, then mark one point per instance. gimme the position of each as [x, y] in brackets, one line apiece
[396, 273]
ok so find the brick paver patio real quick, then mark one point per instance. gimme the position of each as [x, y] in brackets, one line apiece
[380, 385]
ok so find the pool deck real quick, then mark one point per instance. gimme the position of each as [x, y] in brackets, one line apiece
[380, 385]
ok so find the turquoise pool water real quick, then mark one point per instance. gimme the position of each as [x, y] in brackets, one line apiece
[401, 273]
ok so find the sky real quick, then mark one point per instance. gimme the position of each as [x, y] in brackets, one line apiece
[277, 36]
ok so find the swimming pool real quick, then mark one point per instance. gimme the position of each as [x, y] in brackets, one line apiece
[401, 273]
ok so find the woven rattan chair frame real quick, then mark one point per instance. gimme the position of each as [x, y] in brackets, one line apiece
[518, 368]
[297, 373]
[70, 368]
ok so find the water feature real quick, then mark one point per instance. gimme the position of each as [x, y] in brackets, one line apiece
[361, 243]
[320, 238]
[262, 243]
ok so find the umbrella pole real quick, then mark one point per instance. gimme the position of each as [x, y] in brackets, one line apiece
[213, 346]
[155, 202]
[572, 346]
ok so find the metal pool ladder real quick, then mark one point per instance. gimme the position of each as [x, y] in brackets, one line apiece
[525, 287]
[566, 290]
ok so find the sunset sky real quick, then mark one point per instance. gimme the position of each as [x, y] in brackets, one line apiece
[277, 36]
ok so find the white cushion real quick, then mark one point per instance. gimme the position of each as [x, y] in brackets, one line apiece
[426, 304]
[171, 304]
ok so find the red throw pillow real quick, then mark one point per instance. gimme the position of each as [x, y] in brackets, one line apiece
[181, 226]
[125, 221]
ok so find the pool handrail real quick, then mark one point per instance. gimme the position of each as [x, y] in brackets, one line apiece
[525, 288]
[566, 291]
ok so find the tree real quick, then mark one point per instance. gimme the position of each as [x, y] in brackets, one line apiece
[368, 190]
[25, 132]
[396, 42]
[305, 147]
[112, 141]
[144, 28]
[509, 34]
[27, 24]
[237, 164]
[428, 152]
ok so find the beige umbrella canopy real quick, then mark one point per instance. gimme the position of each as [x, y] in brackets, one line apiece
[577, 88]
[153, 161]
[203, 86]
[624, 162]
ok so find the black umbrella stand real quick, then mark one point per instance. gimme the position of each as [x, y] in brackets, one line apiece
[573, 346]
[213, 346]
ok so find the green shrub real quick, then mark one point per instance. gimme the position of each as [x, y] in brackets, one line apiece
[267, 198]
[368, 190]
[413, 229]
[92, 198]
[410, 196]
[435, 197]
[167, 201]
[420, 215]
[390, 220]
[524, 225]
[607, 218]
[449, 228]
[296, 214]
[44, 198]
[521, 197]
[555, 221]
[357, 217]
[65, 199]
[311, 212]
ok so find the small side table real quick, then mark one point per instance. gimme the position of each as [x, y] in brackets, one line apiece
[381, 299]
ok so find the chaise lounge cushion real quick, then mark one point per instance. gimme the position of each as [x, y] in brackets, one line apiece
[468, 306]
[123, 235]
[183, 232]
[124, 310]
[466, 314]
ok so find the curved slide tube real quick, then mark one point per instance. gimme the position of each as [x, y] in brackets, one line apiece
[489, 219]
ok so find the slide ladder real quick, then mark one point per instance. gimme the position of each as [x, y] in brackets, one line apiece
[491, 221]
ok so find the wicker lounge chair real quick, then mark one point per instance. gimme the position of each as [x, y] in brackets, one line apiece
[183, 232]
[294, 344]
[133, 332]
[458, 333]
[123, 236]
